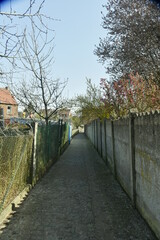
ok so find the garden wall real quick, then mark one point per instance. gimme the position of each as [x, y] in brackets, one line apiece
[131, 148]
[147, 168]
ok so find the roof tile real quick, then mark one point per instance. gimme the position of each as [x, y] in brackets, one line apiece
[6, 97]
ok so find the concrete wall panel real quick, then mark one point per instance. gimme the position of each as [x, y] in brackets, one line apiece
[132, 149]
[122, 158]
[109, 147]
[147, 159]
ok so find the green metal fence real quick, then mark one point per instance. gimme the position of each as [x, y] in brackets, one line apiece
[47, 148]
[51, 142]
[23, 160]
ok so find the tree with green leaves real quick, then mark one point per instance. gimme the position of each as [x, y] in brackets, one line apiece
[90, 105]
[76, 121]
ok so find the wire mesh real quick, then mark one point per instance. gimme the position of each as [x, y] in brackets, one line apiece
[15, 165]
[16, 158]
[47, 148]
[50, 141]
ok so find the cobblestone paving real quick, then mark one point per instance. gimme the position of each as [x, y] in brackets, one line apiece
[77, 200]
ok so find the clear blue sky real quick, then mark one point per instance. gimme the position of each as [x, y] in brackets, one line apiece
[76, 36]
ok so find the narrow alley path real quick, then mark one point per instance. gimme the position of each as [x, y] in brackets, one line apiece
[77, 200]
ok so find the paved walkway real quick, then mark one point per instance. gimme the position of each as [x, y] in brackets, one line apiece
[77, 200]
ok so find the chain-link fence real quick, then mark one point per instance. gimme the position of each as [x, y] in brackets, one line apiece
[15, 165]
[25, 158]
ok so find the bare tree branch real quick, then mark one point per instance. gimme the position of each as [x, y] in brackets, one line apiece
[132, 42]
[42, 93]
[11, 37]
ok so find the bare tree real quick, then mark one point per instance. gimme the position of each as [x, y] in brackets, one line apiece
[13, 26]
[132, 42]
[39, 90]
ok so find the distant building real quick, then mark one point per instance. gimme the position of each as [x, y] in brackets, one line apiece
[8, 104]
[64, 114]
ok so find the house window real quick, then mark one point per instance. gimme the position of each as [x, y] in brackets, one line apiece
[9, 110]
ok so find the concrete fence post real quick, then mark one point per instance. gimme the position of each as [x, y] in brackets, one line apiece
[60, 123]
[94, 133]
[97, 134]
[100, 138]
[34, 150]
[105, 142]
[113, 150]
[132, 159]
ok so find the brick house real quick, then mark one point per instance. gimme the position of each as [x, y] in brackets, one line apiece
[8, 104]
